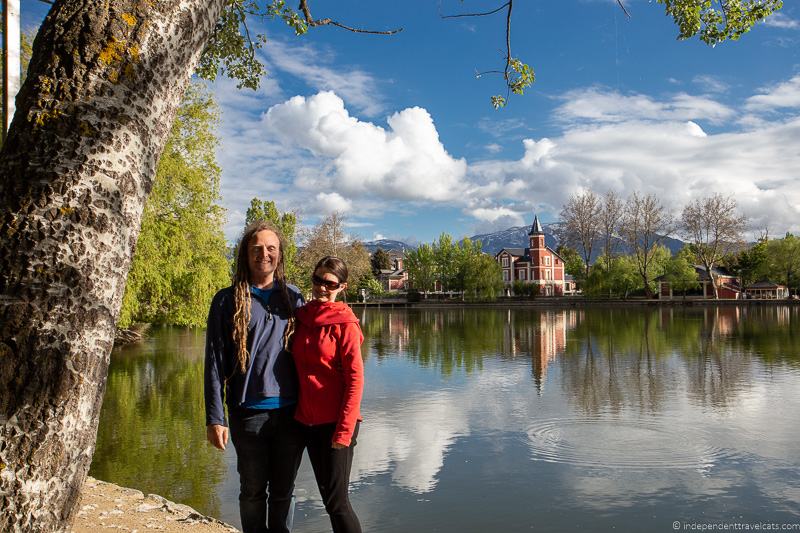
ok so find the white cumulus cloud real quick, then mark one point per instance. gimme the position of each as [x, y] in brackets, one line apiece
[601, 105]
[782, 95]
[407, 161]
[677, 161]
[334, 202]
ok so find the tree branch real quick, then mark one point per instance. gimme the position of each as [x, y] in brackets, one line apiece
[250, 44]
[624, 9]
[327, 21]
[492, 12]
[510, 5]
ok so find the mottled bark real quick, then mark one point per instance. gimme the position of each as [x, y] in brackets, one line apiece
[92, 119]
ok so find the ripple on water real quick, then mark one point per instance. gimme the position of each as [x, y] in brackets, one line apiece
[633, 444]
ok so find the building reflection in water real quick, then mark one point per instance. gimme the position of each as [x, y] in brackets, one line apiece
[542, 336]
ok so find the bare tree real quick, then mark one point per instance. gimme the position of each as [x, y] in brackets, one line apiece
[580, 227]
[645, 223]
[330, 238]
[610, 216]
[713, 226]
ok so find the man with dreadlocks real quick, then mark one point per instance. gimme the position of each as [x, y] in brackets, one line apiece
[247, 365]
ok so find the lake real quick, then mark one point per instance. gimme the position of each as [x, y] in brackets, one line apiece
[475, 420]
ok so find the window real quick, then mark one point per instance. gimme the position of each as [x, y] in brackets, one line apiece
[521, 275]
[505, 260]
[505, 275]
[547, 274]
[547, 260]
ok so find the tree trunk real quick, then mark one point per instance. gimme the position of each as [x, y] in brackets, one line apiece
[647, 292]
[92, 119]
[709, 271]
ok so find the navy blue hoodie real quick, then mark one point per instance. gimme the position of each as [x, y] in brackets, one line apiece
[271, 371]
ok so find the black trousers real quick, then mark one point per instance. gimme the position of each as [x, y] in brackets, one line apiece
[269, 448]
[332, 471]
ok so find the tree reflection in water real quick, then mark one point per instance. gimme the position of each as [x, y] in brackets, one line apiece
[609, 358]
[151, 434]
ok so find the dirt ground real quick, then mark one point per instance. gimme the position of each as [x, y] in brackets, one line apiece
[108, 507]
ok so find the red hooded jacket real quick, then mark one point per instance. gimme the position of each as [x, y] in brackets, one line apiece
[327, 353]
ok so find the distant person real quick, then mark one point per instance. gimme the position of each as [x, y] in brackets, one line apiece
[247, 364]
[327, 352]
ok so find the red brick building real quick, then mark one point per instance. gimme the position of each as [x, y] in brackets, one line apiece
[538, 264]
[396, 278]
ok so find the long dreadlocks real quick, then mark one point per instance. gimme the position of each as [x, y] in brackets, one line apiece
[241, 283]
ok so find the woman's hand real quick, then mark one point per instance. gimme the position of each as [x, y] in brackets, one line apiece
[337, 446]
[217, 435]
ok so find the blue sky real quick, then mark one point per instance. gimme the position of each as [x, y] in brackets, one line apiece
[397, 133]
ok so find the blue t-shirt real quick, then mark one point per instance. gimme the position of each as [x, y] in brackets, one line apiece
[268, 402]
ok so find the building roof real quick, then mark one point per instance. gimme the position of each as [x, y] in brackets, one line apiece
[703, 276]
[536, 227]
[392, 273]
[517, 252]
[764, 284]
[717, 271]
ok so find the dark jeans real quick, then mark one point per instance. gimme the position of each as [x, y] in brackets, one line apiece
[332, 470]
[269, 449]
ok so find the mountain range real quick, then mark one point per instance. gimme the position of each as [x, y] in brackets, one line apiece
[515, 237]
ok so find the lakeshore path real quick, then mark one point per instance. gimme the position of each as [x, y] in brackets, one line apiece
[108, 507]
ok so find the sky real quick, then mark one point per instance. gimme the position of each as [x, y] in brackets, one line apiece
[398, 134]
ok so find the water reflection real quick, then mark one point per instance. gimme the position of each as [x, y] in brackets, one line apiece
[479, 419]
[151, 434]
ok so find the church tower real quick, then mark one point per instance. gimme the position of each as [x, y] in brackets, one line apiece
[536, 235]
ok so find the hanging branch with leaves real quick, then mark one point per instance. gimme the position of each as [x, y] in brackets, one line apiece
[233, 51]
[518, 75]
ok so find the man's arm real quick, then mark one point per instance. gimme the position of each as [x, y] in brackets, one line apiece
[214, 375]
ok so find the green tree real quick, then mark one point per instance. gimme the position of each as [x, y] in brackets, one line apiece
[372, 285]
[523, 288]
[751, 264]
[380, 260]
[574, 264]
[421, 267]
[467, 255]
[718, 20]
[624, 276]
[482, 275]
[783, 260]
[25, 52]
[180, 259]
[287, 223]
[679, 271]
[448, 262]
[618, 277]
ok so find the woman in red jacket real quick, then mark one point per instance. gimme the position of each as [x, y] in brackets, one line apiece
[327, 353]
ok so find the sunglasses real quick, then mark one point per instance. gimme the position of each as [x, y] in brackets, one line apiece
[330, 285]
